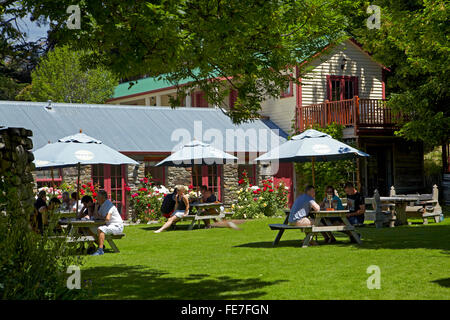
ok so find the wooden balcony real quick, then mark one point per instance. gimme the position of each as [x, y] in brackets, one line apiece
[364, 115]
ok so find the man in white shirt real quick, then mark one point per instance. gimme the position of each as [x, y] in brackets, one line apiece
[113, 220]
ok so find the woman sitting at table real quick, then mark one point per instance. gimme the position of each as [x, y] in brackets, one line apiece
[181, 209]
[331, 200]
[208, 197]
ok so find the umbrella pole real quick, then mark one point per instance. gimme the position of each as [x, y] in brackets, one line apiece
[78, 185]
[313, 178]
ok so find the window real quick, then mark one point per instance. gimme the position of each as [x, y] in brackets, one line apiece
[289, 91]
[233, 98]
[209, 176]
[251, 172]
[342, 87]
[112, 179]
[200, 100]
[44, 178]
[158, 174]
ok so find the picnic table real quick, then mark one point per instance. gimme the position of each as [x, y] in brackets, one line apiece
[74, 234]
[61, 214]
[401, 201]
[321, 224]
[200, 215]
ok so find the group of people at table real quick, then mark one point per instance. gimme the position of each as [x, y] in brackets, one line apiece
[176, 206]
[102, 209]
[302, 210]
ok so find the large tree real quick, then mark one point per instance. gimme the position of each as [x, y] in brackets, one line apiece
[18, 54]
[60, 77]
[245, 44]
[413, 40]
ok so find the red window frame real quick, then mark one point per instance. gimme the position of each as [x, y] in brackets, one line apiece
[290, 87]
[233, 98]
[199, 100]
[112, 183]
[57, 178]
[204, 175]
[343, 81]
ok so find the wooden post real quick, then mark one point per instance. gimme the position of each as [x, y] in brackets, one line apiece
[378, 213]
[78, 185]
[53, 181]
[392, 192]
[437, 207]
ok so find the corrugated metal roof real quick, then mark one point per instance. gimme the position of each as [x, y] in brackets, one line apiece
[137, 128]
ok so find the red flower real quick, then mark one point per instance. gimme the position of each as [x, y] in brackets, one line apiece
[255, 192]
[244, 174]
[265, 188]
[134, 195]
[82, 192]
[83, 186]
[127, 188]
[191, 187]
[146, 180]
[148, 205]
[270, 190]
[241, 181]
[143, 189]
[255, 199]
[94, 194]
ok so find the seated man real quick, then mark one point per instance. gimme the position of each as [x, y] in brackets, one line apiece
[300, 211]
[65, 201]
[355, 204]
[40, 206]
[88, 209]
[73, 202]
[208, 197]
[114, 222]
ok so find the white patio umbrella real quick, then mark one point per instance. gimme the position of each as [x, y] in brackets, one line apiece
[77, 150]
[196, 152]
[312, 145]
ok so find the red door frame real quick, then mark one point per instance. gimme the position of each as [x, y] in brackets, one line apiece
[107, 185]
[204, 175]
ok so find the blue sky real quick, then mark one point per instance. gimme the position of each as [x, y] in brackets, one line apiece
[32, 30]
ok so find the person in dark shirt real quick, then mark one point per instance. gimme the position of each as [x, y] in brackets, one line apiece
[40, 206]
[208, 197]
[355, 204]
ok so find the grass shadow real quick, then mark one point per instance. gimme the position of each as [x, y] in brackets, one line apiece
[443, 282]
[141, 282]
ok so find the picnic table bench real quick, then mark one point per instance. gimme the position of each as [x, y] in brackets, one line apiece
[74, 235]
[201, 216]
[321, 225]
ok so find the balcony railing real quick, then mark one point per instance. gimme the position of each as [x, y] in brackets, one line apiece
[358, 113]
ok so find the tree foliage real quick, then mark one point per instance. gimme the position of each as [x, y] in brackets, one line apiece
[247, 44]
[60, 77]
[414, 42]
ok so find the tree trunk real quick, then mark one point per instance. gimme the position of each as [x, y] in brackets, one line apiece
[445, 154]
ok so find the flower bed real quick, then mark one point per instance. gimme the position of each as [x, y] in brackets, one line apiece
[256, 201]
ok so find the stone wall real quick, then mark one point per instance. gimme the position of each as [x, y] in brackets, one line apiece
[17, 159]
[178, 175]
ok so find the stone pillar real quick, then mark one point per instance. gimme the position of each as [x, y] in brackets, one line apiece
[230, 183]
[16, 166]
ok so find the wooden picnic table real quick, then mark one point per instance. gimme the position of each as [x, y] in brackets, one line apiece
[401, 201]
[201, 207]
[74, 234]
[321, 224]
[65, 214]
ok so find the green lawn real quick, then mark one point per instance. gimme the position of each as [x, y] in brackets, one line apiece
[229, 264]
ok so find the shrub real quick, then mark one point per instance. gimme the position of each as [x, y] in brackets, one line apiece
[259, 201]
[146, 201]
[32, 266]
